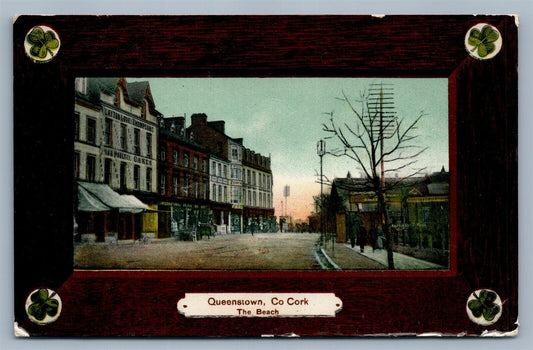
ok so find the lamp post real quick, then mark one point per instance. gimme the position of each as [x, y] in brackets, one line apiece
[321, 150]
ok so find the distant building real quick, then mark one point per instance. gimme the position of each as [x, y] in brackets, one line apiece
[115, 133]
[257, 192]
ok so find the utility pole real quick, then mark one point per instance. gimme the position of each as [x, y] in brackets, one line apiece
[321, 150]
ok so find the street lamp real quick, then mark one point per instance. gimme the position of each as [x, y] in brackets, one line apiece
[321, 150]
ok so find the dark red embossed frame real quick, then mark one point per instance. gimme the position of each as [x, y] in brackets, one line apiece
[483, 119]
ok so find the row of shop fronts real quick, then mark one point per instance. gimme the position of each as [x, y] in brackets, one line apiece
[105, 215]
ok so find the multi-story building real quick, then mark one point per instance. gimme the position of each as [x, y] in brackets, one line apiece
[235, 162]
[220, 185]
[115, 132]
[183, 180]
[258, 210]
[230, 151]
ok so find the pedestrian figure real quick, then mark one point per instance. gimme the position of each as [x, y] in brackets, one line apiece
[354, 232]
[253, 226]
[361, 238]
[373, 238]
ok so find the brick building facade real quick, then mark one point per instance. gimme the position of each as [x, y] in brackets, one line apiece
[183, 180]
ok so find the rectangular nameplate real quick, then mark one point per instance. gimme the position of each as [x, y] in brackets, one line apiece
[259, 305]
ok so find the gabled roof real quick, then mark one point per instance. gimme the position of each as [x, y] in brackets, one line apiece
[134, 92]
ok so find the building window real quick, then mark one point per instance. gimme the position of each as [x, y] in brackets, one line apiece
[137, 141]
[196, 188]
[195, 162]
[204, 165]
[149, 179]
[249, 198]
[123, 144]
[187, 186]
[123, 175]
[136, 177]
[107, 171]
[214, 168]
[163, 152]
[236, 196]
[214, 193]
[163, 184]
[175, 156]
[176, 185]
[255, 199]
[225, 194]
[76, 126]
[91, 131]
[77, 165]
[234, 153]
[219, 193]
[204, 190]
[186, 160]
[149, 145]
[108, 132]
[91, 168]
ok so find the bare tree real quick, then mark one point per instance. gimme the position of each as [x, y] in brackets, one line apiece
[380, 143]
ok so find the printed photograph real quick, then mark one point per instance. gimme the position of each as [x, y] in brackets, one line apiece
[261, 174]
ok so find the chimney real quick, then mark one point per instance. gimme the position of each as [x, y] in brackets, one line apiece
[199, 119]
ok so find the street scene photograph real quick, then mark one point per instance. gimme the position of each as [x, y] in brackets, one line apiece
[261, 174]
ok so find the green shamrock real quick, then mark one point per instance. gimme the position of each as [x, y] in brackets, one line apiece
[43, 304]
[483, 41]
[484, 305]
[42, 43]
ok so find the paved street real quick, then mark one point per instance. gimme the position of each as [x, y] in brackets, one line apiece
[267, 251]
[264, 251]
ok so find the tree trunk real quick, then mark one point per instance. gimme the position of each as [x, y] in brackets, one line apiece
[386, 230]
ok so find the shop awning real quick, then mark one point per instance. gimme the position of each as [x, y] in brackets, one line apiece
[88, 202]
[101, 194]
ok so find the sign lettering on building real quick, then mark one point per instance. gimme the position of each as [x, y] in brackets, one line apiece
[124, 118]
[110, 152]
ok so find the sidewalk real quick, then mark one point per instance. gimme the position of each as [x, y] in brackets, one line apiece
[349, 258]
[401, 261]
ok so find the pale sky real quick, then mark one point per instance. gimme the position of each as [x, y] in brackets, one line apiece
[282, 117]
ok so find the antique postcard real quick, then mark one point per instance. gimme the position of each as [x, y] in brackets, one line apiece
[307, 175]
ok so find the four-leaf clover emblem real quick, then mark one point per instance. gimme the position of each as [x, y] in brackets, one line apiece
[484, 307]
[483, 41]
[43, 306]
[42, 43]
